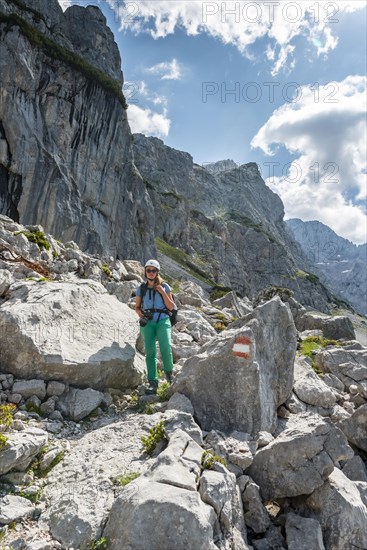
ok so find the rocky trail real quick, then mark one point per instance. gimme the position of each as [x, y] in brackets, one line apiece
[259, 443]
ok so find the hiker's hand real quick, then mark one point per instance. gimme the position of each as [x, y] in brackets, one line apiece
[160, 289]
[140, 313]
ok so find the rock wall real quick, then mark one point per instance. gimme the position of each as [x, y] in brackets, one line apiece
[341, 264]
[65, 143]
[227, 220]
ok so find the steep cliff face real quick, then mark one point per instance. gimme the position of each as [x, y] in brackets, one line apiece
[65, 143]
[341, 264]
[228, 221]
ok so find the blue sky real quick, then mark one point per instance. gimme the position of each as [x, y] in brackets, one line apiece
[279, 83]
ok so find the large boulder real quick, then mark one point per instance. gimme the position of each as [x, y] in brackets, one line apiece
[341, 512]
[239, 378]
[149, 514]
[300, 458]
[71, 332]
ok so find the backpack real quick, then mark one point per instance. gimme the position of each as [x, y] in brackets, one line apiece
[172, 314]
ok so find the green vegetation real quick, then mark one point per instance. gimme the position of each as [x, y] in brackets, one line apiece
[156, 434]
[162, 391]
[6, 419]
[172, 194]
[270, 292]
[183, 259]
[33, 498]
[220, 326]
[55, 51]
[37, 237]
[106, 270]
[125, 479]
[312, 278]
[312, 343]
[149, 408]
[31, 407]
[218, 292]
[100, 544]
[236, 217]
[208, 459]
[55, 254]
[38, 16]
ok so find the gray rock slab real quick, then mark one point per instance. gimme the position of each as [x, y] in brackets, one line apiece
[300, 458]
[73, 332]
[309, 387]
[80, 490]
[341, 512]
[303, 533]
[239, 390]
[77, 404]
[22, 447]
[14, 508]
[185, 521]
[28, 388]
[355, 428]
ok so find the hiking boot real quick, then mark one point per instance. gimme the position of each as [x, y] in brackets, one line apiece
[169, 376]
[152, 389]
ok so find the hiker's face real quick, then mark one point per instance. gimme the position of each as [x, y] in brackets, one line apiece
[151, 273]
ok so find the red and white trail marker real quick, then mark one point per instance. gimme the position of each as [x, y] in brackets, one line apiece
[241, 347]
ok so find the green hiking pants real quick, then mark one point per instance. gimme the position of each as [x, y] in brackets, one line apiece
[152, 332]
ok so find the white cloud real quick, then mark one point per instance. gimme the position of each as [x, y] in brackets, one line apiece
[148, 122]
[241, 23]
[168, 70]
[327, 181]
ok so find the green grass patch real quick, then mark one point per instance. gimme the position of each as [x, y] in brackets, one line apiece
[37, 237]
[59, 53]
[100, 544]
[106, 270]
[125, 479]
[162, 391]
[31, 407]
[149, 408]
[208, 460]
[156, 434]
[312, 343]
[218, 292]
[6, 420]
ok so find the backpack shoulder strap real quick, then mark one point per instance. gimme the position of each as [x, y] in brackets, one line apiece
[143, 291]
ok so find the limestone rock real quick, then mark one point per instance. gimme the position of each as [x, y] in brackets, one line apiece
[355, 427]
[92, 194]
[219, 490]
[341, 512]
[21, 448]
[355, 469]
[74, 332]
[300, 458]
[14, 508]
[180, 402]
[309, 387]
[333, 328]
[233, 392]
[303, 533]
[256, 515]
[185, 522]
[77, 404]
[28, 388]
[80, 489]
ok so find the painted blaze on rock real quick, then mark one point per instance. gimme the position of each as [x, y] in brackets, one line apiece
[240, 378]
[242, 347]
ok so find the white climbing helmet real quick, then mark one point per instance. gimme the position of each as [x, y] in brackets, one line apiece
[153, 263]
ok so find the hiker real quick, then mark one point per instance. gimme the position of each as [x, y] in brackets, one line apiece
[153, 299]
